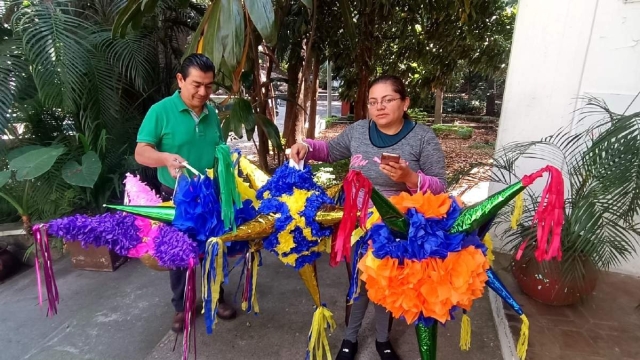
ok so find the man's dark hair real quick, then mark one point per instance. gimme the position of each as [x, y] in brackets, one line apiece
[196, 61]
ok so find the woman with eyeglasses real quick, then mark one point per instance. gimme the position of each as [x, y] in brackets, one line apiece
[413, 161]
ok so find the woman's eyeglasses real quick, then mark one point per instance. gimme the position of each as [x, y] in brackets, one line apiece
[384, 102]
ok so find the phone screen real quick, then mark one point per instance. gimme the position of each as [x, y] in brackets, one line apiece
[386, 158]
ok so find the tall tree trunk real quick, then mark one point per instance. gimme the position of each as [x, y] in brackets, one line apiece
[302, 108]
[313, 101]
[438, 117]
[268, 91]
[360, 107]
[291, 114]
[10, 8]
[363, 62]
[306, 74]
[258, 96]
[491, 97]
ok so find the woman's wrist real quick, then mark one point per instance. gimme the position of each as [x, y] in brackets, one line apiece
[413, 181]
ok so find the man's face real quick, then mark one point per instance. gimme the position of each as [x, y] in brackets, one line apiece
[196, 89]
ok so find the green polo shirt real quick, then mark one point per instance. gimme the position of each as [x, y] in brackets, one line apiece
[172, 127]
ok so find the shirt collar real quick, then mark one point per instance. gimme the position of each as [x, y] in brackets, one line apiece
[182, 106]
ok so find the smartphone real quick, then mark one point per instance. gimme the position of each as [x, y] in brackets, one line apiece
[387, 158]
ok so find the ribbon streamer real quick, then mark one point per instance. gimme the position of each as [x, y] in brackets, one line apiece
[189, 310]
[42, 243]
[229, 195]
[354, 184]
[213, 276]
[318, 348]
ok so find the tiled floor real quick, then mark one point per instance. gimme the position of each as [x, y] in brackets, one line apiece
[605, 326]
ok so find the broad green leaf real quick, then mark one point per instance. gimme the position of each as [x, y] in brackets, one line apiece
[211, 46]
[249, 123]
[230, 30]
[262, 15]
[15, 153]
[308, 4]
[272, 131]
[125, 16]
[149, 6]
[85, 175]
[4, 177]
[226, 128]
[241, 114]
[35, 163]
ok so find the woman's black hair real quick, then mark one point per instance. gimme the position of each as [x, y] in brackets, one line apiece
[396, 84]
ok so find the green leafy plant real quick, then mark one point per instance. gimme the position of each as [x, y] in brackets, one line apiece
[601, 166]
[419, 116]
[331, 120]
[462, 132]
[29, 165]
[241, 116]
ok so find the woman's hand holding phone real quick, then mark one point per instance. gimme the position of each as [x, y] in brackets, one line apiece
[398, 170]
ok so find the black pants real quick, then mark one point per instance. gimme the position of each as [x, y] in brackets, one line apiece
[178, 277]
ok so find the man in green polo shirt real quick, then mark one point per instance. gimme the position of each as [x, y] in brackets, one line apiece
[180, 128]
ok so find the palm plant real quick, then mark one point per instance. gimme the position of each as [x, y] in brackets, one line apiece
[71, 84]
[601, 165]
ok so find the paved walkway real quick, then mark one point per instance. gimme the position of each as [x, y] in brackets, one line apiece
[606, 326]
[102, 316]
[125, 315]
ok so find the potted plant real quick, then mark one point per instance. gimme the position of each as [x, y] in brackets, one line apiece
[600, 166]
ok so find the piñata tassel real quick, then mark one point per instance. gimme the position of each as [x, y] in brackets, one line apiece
[249, 296]
[189, 310]
[523, 342]
[488, 242]
[318, 348]
[549, 216]
[354, 184]
[354, 279]
[248, 274]
[465, 332]
[213, 276]
[229, 195]
[517, 211]
[43, 253]
[254, 294]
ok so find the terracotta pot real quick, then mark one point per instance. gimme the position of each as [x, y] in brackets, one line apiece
[544, 283]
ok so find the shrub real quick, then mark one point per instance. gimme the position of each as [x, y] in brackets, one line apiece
[459, 131]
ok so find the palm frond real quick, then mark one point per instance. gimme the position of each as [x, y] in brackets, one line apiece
[14, 70]
[134, 57]
[54, 43]
[602, 164]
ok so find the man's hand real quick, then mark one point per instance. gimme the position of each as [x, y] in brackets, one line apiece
[298, 152]
[147, 155]
[401, 172]
[173, 162]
